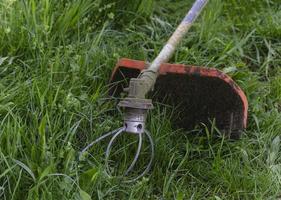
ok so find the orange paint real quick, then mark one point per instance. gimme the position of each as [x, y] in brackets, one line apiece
[188, 69]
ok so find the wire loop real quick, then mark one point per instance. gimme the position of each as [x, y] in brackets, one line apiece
[116, 133]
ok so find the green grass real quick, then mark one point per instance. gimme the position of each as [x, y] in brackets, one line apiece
[55, 61]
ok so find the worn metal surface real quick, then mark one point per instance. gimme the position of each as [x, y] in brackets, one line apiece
[200, 93]
[135, 111]
[148, 77]
[178, 35]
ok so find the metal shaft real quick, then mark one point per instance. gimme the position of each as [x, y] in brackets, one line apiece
[168, 50]
[148, 77]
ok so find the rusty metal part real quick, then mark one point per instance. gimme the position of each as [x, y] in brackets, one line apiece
[135, 111]
[199, 93]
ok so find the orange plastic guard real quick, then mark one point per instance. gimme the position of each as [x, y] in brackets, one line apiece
[200, 95]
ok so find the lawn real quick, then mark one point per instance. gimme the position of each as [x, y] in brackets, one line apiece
[56, 58]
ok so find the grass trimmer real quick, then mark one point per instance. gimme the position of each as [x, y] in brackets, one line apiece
[203, 95]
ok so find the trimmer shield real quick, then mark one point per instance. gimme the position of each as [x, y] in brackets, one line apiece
[200, 95]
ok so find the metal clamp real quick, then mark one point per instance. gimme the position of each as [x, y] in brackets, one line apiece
[135, 112]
